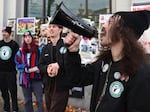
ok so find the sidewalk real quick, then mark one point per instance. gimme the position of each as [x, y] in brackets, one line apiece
[69, 108]
[21, 107]
[20, 104]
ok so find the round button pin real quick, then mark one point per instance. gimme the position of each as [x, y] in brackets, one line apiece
[105, 67]
[117, 75]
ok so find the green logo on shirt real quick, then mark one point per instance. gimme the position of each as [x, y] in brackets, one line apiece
[116, 88]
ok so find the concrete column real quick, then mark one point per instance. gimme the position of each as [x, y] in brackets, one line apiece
[9, 10]
[1, 16]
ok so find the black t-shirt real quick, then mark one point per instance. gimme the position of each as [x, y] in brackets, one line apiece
[7, 53]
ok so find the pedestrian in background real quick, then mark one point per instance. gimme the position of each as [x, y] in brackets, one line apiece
[8, 79]
[121, 74]
[30, 79]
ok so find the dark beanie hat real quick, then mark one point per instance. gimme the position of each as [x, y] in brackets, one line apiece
[137, 20]
[27, 32]
[7, 29]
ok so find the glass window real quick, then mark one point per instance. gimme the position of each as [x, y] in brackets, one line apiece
[82, 8]
[35, 7]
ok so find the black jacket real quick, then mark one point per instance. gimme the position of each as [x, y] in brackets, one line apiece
[123, 94]
[46, 58]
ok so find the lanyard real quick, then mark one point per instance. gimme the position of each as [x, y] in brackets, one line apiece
[104, 88]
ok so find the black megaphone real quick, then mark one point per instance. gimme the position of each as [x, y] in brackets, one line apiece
[63, 16]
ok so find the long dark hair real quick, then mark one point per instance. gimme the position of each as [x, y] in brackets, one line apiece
[133, 52]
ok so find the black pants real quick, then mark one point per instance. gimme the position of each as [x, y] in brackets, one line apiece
[5, 94]
[8, 84]
[56, 101]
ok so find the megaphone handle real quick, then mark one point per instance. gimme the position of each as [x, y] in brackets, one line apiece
[63, 49]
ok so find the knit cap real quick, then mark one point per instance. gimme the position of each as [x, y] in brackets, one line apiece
[138, 21]
[7, 29]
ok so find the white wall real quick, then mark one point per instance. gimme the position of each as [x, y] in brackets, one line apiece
[119, 5]
[141, 1]
[10, 9]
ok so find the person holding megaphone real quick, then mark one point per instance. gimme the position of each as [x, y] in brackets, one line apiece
[120, 76]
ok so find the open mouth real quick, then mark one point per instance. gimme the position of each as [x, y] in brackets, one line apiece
[103, 32]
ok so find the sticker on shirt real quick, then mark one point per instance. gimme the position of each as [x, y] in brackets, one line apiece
[116, 88]
[5, 52]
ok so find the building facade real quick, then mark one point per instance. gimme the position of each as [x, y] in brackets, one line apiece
[22, 8]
